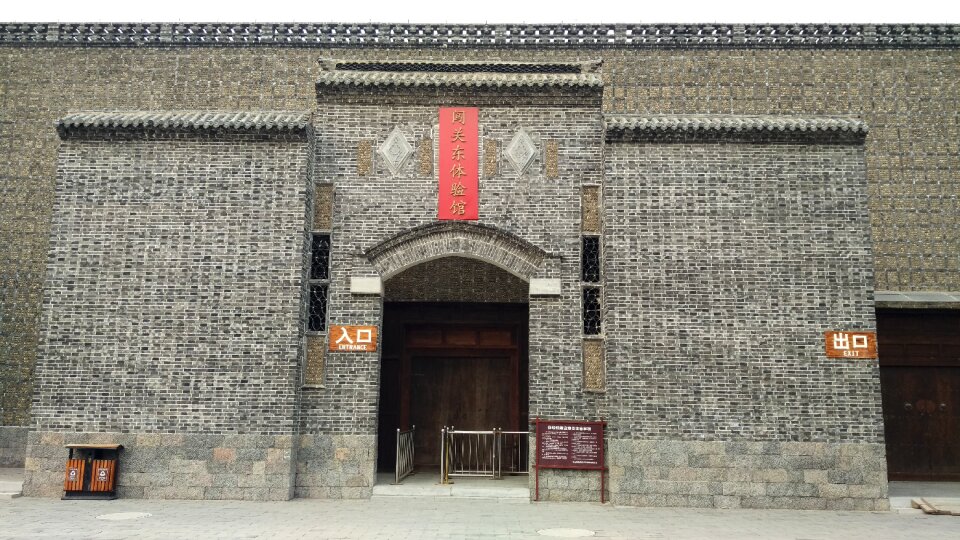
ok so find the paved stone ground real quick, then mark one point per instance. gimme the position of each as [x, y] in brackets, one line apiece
[428, 518]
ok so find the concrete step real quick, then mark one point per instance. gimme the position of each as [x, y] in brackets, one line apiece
[11, 482]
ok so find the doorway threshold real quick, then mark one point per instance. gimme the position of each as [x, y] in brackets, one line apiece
[944, 495]
[427, 484]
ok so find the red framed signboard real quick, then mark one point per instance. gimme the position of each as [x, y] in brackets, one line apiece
[570, 444]
[459, 177]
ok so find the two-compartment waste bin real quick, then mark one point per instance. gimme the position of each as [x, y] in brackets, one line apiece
[92, 471]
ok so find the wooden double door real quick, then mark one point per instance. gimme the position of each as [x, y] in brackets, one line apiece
[920, 381]
[465, 369]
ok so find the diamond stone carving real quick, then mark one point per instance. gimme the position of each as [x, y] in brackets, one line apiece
[395, 151]
[520, 151]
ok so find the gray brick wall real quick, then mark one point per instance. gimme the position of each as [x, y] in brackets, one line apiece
[905, 89]
[725, 261]
[173, 301]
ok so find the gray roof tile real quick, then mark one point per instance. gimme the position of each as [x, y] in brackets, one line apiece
[476, 79]
[735, 123]
[276, 121]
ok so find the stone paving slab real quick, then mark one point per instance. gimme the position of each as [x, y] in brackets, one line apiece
[432, 518]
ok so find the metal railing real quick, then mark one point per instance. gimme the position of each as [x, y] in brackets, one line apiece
[404, 453]
[483, 453]
[513, 456]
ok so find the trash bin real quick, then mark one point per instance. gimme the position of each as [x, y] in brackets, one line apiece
[92, 471]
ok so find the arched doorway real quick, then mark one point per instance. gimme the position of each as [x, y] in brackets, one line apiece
[454, 353]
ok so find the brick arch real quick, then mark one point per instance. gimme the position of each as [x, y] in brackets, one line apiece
[443, 239]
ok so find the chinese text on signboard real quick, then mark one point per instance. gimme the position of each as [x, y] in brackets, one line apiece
[566, 444]
[353, 338]
[570, 445]
[459, 158]
[851, 344]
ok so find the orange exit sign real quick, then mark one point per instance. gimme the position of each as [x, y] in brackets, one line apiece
[851, 344]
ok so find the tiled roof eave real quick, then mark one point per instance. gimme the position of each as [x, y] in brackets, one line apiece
[679, 124]
[261, 121]
[471, 80]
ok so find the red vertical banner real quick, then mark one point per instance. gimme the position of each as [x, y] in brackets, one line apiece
[459, 177]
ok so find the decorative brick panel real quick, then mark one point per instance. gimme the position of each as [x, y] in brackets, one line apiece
[425, 157]
[364, 158]
[590, 209]
[593, 369]
[551, 158]
[316, 349]
[491, 157]
[323, 208]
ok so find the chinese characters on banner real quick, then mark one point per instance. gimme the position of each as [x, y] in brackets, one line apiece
[459, 180]
[851, 344]
[353, 338]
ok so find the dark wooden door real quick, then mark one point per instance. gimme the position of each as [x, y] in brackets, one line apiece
[920, 381]
[465, 392]
[450, 364]
[389, 418]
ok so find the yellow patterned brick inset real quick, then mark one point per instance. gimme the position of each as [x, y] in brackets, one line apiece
[590, 209]
[552, 159]
[490, 150]
[593, 368]
[313, 374]
[364, 158]
[425, 157]
[323, 208]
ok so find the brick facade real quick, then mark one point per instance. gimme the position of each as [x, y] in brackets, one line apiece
[726, 259]
[901, 80]
[707, 240]
[173, 316]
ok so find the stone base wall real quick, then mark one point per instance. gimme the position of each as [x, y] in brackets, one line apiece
[569, 486]
[173, 466]
[13, 445]
[793, 475]
[336, 466]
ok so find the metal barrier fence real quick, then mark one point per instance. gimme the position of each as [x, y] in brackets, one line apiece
[514, 452]
[404, 454]
[483, 453]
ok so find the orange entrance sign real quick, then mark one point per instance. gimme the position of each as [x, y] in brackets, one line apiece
[353, 338]
[851, 344]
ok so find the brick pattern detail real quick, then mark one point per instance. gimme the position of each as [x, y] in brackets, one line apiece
[316, 349]
[150, 291]
[428, 242]
[456, 279]
[593, 370]
[590, 209]
[551, 158]
[323, 207]
[491, 157]
[425, 157]
[364, 157]
[717, 270]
